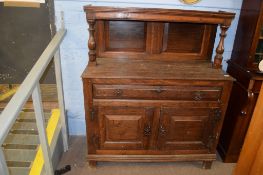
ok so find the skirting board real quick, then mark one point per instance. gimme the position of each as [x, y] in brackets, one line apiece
[151, 158]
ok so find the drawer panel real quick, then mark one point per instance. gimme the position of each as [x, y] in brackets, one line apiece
[197, 93]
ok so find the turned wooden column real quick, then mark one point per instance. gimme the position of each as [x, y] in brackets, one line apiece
[91, 42]
[220, 48]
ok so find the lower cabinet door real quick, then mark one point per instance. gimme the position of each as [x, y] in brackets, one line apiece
[187, 129]
[125, 128]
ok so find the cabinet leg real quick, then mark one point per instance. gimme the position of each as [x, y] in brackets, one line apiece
[93, 164]
[207, 164]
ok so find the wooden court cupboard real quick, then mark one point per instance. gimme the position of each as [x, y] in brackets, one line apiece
[151, 92]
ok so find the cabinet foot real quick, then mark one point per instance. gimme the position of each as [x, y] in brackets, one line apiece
[93, 164]
[207, 164]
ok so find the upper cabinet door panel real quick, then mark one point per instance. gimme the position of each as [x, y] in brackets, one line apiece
[122, 36]
[125, 36]
[188, 40]
[183, 37]
[124, 128]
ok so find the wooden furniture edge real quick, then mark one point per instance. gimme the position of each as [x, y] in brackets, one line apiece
[152, 158]
[250, 159]
[104, 11]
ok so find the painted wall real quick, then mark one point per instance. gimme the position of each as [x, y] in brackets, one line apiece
[74, 51]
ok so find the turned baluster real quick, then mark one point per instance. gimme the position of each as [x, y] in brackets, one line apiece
[91, 42]
[220, 48]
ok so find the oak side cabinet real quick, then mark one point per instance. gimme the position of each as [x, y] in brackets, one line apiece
[243, 66]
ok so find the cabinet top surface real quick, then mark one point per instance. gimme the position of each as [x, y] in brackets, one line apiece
[157, 14]
[155, 69]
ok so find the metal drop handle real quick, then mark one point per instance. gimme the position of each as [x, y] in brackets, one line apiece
[147, 130]
[198, 96]
[162, 130]
[159, 90]
[118, 92]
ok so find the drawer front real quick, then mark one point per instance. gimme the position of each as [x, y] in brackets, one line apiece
[197, 93]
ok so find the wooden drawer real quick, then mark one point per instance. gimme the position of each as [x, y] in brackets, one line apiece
[197, 93]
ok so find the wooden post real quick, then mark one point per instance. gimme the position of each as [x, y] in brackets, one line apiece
[220, 48]
[91, 42]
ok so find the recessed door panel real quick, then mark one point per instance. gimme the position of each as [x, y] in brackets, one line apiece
[186, 128]
[124, 127]
[179, 128]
